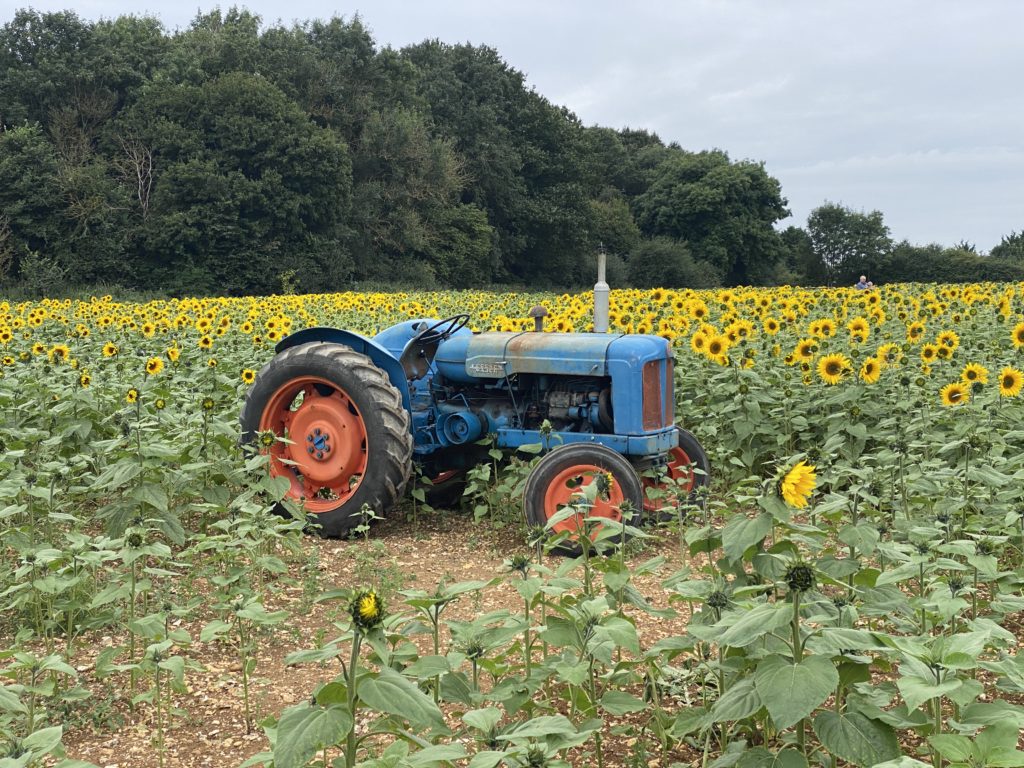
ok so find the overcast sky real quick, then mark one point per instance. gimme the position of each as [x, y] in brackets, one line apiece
[910, 107]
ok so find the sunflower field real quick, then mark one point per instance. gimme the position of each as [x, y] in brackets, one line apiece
[847, 591]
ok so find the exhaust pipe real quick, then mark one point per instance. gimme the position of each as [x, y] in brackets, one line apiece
[601, 292]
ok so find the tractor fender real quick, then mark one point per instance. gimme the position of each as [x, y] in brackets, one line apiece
[380, 356]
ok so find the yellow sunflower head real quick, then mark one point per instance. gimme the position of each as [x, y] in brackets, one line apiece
[1010, 381]
[717, 346]
[832, 368]
[1017, 335]
[955, 393]
[974, 373]
[154, 365]
[798, 484]
[870, 371]
[59, 353]
[948, 339]
[367, 610]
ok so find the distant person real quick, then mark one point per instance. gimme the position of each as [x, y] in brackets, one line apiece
[862, 284]
[871, 286]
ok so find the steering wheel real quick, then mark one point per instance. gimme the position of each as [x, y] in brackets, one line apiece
[442, 329]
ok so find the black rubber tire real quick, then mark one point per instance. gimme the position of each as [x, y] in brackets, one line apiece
[448, 493]
[698, 457]
[388, 435]
[695, 452]
[553, 463]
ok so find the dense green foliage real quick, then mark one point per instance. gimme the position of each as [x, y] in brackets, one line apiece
[224, 156]
[237, 157]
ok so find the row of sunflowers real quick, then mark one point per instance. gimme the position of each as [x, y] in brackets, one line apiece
[959, 337]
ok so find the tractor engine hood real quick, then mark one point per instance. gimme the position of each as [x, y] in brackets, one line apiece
[496, 355]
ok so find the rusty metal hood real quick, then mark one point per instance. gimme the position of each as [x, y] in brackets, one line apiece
[493, 355]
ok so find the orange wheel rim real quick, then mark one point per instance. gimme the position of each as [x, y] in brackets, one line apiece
[567, 488]
[679, 476]
[325, 458]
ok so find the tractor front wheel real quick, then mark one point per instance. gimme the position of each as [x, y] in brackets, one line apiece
[561, 479]
[346, 438]
[677, 477]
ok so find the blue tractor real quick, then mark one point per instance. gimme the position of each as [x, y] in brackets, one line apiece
[356, 413]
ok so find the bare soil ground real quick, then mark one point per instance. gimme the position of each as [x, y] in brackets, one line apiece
[212, 732]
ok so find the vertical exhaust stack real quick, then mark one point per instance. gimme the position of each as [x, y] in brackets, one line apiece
[601, 292]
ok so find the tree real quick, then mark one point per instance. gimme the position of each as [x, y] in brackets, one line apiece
[725, 211]
[44, 64]
[522, 156]
[800, 259]
[612, 226]
[30, 196]
[1010, 248]
[244, 186]
[846, 240]
[406, 213]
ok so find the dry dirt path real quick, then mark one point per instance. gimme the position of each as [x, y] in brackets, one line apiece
[211, 733]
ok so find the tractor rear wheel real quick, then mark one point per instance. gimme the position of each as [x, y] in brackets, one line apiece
[562, 476]
[347, 437]
[677, 476]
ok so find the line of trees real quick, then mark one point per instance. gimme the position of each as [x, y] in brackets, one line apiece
[232, 157]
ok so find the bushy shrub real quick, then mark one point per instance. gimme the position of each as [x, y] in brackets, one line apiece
[667, 263]
[933, 264]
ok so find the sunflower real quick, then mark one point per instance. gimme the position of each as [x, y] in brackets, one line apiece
[110, 349]
[173, 353]
[974, 373]
[1010, 381]
[248, 375]
[929, 352]
[859, 329]
[131, 396]
[205, 342]
[1017, 335]
[955, 393]
[154, 365]
[798, 485]
[716, 347]
[832, 368]
[888, 354]
[367, 610]
[805, 349]
[208, 404]
[870, 371]
[84, 379]
[948, 339]
[59, 353]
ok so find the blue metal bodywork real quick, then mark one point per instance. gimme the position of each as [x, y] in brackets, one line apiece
[592, 386]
